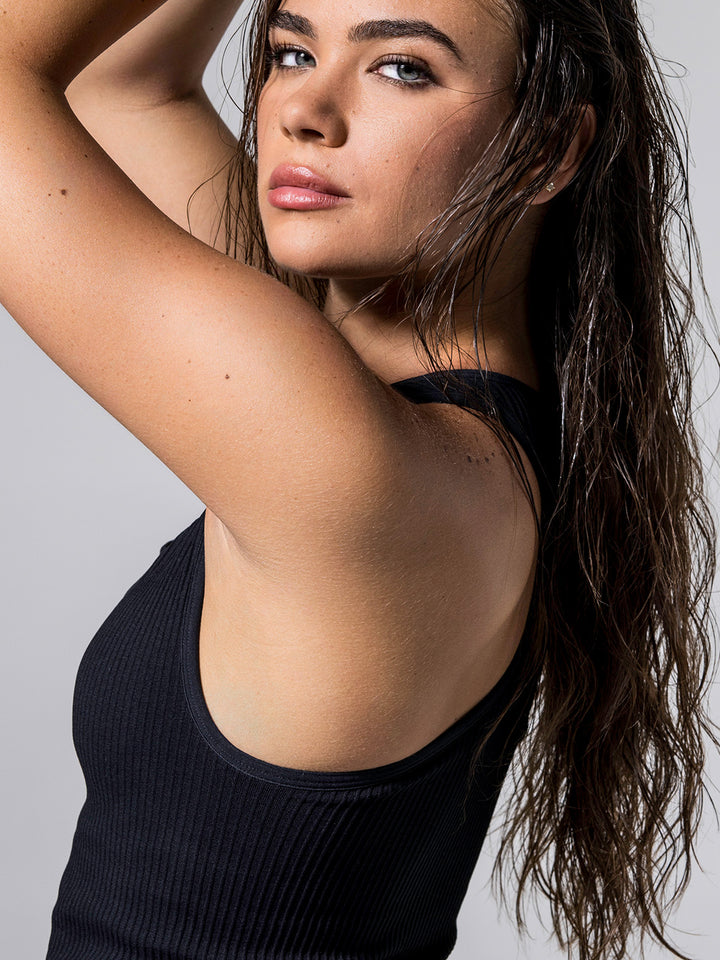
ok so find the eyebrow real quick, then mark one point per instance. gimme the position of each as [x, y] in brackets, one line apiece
[370, 30]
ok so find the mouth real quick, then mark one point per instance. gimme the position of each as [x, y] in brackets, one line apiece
[299, 188]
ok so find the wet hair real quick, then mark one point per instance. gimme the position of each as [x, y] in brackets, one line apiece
[608, 783]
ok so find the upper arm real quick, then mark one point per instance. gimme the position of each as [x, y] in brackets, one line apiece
[242, 388]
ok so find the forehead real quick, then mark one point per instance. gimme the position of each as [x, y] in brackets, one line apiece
[476, 26]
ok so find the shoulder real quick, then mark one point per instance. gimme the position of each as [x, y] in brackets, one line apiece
[442, 499]
[465, 499]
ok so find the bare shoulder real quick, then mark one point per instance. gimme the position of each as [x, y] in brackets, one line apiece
[442, 478]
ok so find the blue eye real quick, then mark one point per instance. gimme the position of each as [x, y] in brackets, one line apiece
[285, 57]
[407, 73]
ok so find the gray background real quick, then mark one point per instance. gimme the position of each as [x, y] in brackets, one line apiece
[85, 509]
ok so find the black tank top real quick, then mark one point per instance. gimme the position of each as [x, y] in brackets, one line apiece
[187, 848]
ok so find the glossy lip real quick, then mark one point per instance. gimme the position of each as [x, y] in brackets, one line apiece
[287, 175]
[299, 198]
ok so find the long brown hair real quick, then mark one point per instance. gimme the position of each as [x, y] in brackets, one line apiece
[608, 782]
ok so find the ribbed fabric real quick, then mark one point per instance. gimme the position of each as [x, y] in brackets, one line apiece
[187, 848]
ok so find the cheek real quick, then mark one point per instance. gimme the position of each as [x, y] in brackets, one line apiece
[442, 164]
[267, 124]
[432, 165]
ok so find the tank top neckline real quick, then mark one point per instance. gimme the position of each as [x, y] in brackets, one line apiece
[474, 373]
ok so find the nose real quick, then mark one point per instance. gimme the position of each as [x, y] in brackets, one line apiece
[314, 112]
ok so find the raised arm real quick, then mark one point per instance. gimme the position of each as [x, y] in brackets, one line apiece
[144, 103]
[243, 389]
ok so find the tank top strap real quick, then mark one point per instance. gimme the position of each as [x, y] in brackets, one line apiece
[528, 414]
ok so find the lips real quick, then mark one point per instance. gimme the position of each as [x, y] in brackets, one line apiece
[304, 178]
[299, 188]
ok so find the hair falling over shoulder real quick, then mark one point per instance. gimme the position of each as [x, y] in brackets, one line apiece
[608, 783]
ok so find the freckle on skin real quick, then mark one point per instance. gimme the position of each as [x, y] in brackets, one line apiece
[227, 376]
[487, 459]
[64, 192]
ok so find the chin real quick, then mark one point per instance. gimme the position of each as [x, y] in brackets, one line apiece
[317, 262]
[313, 251]
[312, 267]
[315, 266]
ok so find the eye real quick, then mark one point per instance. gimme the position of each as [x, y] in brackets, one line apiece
[286, 57]
[405, 72]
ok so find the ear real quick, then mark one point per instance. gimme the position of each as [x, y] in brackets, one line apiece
[572, 159]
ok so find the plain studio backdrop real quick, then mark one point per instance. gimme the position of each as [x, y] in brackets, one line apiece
[87, 507]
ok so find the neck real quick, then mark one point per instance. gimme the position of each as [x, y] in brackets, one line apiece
[381, 334]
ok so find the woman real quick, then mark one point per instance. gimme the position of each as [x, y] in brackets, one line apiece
[295, 726]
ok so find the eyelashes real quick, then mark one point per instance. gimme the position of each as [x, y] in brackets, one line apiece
[277, 52]
[421, 75]
[424, 78]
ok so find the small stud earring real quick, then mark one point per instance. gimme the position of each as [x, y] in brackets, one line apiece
[550, 187]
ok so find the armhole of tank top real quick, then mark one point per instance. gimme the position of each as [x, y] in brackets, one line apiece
[424, 762]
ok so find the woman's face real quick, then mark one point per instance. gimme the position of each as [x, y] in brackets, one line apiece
[372, 114]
